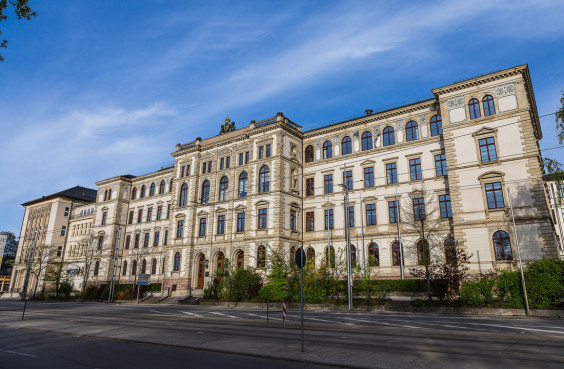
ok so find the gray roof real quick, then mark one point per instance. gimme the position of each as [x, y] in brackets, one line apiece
[76, 193]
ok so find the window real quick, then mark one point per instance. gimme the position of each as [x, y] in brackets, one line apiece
[140, 216]
[415, 169]
[423, 253]
[241, 159]
[228, 162]
[327, 150]
[104, 218]
[243, 179]
[327, 183]
[436, 125]
[348, 180]
[395, 253]
[418, 208]
[100, 242]
[67, 211]
[221, 163]
[261, 152]
[393, 211]
[162, 187]
[371, 214]
[165, 241]
[136, 243]
[366, 141]
[353, 255]
[240, 259]
[220, 224]
[209, 166]
[179, 228]
[502, 246]
[310, 221]
[134, 267]
[182, 171]
[176, 267]
[411, 131]
[373, 254]
[351, 216]
[156, 238]
[310, 254]
[203, 223]
[369, 177]
[440, 165]
[142, 195]
[329, 219]
[246, 157]
[204, 168]
[96, 268]
[389, 138]
[474, 108]
[494, 195]
[309, 156]
[330, 256]
[220, 262]
[149, 214]
[391, 173]
[64, 229]
[133, 193]
[487, 149]
[154, 266]
[268, 150]
[170, 185]
[127, 241]
[159, 212]
[262, 218]
[131, 216]
[309, 187]
[264, 179]
[293, 220]
[188, 170]
[444, 204]
[146, 240]
[152, 189]
[489, 108]
[124, 271]
[346, 146]
[261, 257]
[205, 198]
[241, 222]
[168, 209]
[223, 187]
[450, 251]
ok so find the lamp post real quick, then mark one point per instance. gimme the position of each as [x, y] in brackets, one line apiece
[347, 240]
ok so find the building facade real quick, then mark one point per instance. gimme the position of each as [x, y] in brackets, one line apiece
[555, 189]
[459, 159]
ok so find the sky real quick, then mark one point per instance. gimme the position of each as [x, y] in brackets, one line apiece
[94, 89]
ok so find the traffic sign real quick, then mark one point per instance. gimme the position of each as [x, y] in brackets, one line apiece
[143, 279]
[300, 257]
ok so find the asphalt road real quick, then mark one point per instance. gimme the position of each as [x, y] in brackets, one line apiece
[345, 339]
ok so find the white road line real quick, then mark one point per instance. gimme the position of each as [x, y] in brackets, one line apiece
[443, 325]
[160, 312]
[229, 316]
[321, 320]
[519, 328]
[17, 353]
[375, 322]
[191, 314]
[262, 316]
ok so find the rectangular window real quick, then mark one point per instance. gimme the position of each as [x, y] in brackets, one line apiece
[351, 216]
[329, 221]
[204, 168]
[140, 216]
[262, 219]
[487, 149]
[59, 251]
[209, 166]
[241, 222]
[246, 157]
[127, 241]
[494, 195]
[328, 183]
[149, 214]
[310, 221]
[393, 211]
[369, 177]
[309, 187]
[391, 173]
[146, 240]
[220, 224]
[168, 211]
[165, 241]
[159, 212]
[419, 209]
[371, 214]
[64, 230]
[261, 152]
[182, 171]
[268, 150]
[188, 170]
[415, 169]
[67, 210]
[179, 228]
[221, 163]
[203, 224]
[241, 159]
[136, 244]
[104, 217]
[131, 216]
[156, 238]
[228, 162]
[348, 179]
[293, 220]
[444, 204]
[440, 165]
[100, 242]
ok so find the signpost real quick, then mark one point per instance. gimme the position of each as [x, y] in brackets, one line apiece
[142, 280]
[300, 262]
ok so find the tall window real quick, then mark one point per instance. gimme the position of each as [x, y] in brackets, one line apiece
[261, 152]
[373, 254]
[264, 179]
[140, 216]
[96, 268]
[168, 210]
[327, 150]
[393, 211]
[395, 253]
[418, 208]
[223, 187]
[100, 242]
[261, 257]
[133, 193]
[203, 167]
[444, 204]
[346, 145]
[366, 141]
[293, 220]
[309, 187]
[228, 162]
[243, 179]
[348, 179]
[371, 214]
[436, 124]
[176, 267]
[205, 192]
[127, 241]
[502, 246]
[142, 191]
[165, 240]
[246, 157]
[388, 136]
[180, 229]
[353, 255]
[156, 238]
[328, 183]
[124, 270]
[262, 218]
[220, 224]
[330, 256]
[310, 221]
[423, 253]
[309, 155]
[162, 187]
[202, 230]
[474, 108]
[351, 216]
[241, 159]
[149, 214]
[241, 222]
[450, 251]
[487, 149]
[146, 240]
[134, 267]
[159, 212]
[415, 169]
[329, 219]
[152, 189]
[154, 266]
[209, 166]
[240, 259]
[411, 131]
[221, 163]
[170, 185]
[268, 150]
[494, 195]
[440, 165]
[136, 243]
[391, 173]
[489, 107]
[310, 254]
[369, 177]
[104, 218]
[183, 194]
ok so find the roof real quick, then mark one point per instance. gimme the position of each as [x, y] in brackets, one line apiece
[75, 193]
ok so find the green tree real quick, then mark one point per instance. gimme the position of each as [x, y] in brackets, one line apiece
[22, 10]
[9, 253]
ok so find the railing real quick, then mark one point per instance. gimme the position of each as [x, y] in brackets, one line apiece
[188, 145]
[84, 215]
[265, 122]
[294, 125]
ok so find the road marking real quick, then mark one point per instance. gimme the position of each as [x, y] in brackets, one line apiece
[17, 353]
[160, 312]
[191, 314]
[519, 328]
[229, 316]
[371, 321]
[263, 316]
[443, 325]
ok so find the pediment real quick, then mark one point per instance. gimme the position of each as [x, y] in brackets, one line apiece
[367, 163]
[484, 131]
[491, 174]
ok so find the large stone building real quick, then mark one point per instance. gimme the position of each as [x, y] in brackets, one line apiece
[457, 158]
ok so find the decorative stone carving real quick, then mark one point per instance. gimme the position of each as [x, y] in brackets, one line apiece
[399, 125]
[455, 102]
[423, 119]
[293, 150]
[294, 181]
[505, 90]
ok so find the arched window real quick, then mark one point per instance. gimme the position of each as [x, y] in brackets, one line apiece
[154, 266]
[309, 156]
[162, 187]
[109, 194]
[134, 267]
[489, 107]
[474, 108]
[264, 179]
[388, 136]
[353, 255]
[395, 253]
[143, 266]
[450, 252]
[176, 262]
[423, 253]
[327, 150]
[220, 262]
[243, 180]
[502, 246]
[142, 193]
[366, 141]
[261, 257]
[205, 198]
[96, 268]
[436, 125]
[346, 145]
[373, 254]
[330, 256]
[124, 270]
[310, 254]
[240, 259]
[183, 195]
[106, 195]
[133, 193]
[223, 187]
[152, 189]
[170, 185]
[411, 131]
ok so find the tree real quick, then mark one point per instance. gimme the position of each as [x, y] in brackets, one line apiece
[55, 273]
[22, 10]
[36, 262]
[553, 167]
[9, 253]
[90, 254]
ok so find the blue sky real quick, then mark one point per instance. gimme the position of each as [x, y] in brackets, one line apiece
[94, 89]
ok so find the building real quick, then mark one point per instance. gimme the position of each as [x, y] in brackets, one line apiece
[238, 196]
[4, 280]
[556, 202]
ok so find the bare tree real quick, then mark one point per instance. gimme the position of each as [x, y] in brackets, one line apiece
[37, 262]
[90, 253]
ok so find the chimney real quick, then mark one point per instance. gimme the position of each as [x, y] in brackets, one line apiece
[368, 112]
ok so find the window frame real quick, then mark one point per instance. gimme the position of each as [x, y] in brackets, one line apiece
[366, 141]
[411, 131]
[436, 125]
[388, 136]
[327, 149]
[346, 143]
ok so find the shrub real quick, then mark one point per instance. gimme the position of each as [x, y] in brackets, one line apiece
[65, 289]
[545, 283]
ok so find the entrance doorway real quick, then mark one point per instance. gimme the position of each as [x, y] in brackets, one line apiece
[201, 262]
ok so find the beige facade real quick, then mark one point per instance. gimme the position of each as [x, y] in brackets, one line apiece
[556, 202]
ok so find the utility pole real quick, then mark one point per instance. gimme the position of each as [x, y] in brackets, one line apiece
[347, 240]
[400, 244]
[114, 268]
[362, 236]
